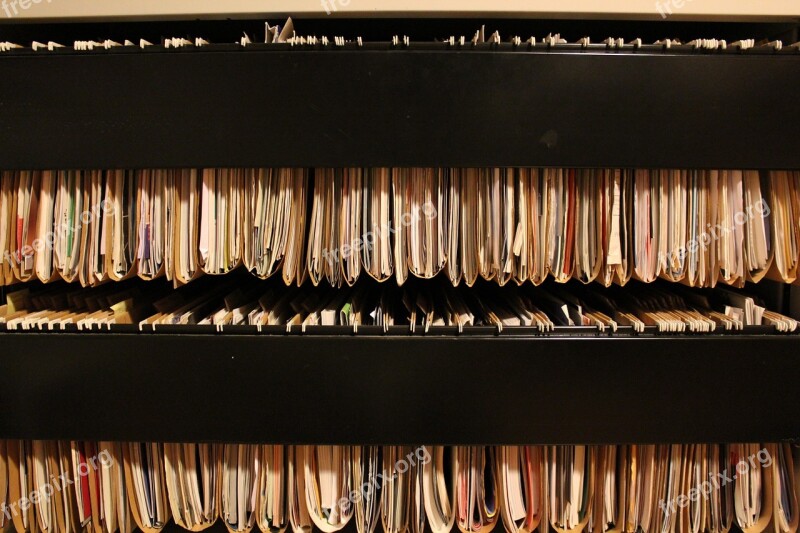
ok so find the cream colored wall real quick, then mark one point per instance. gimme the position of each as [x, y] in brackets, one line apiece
[642, 9]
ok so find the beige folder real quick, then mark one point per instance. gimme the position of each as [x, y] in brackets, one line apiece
[588, 225]
[7, 226]
[220, 231]
[193, 483]
[139, 458]
[674, 221]
[294, 263]
[759, 248]
[522, 490]
[439, 488]
[111, 509]
[646, 224]
[475, 490]
[730, 241]
[572, 474]
[469, 231]
[752, 487]
[154, 222]
[401, 506]
[6, 523]
[239, 486]
[25, 224]
[187, 226]
[328, 485]
[611, 486]
[20, 485]
[561, 223]
[784, 205]
[785, 513]
[324, 248]
[48, 227]
[299, 517]
[73, 214]
[273, 494]
[377, 228]
[44, 505]
[369, 489]
[539, 225]
[92, 270]
[120, 224]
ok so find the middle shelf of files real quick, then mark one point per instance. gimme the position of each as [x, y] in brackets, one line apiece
[493, 317]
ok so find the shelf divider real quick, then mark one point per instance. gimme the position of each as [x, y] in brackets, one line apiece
[212, 108]
[399, 390]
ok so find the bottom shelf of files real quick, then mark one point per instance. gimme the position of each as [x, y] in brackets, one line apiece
[102, 486]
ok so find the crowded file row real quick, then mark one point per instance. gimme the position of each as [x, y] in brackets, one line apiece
[501, 224]
[63, 486]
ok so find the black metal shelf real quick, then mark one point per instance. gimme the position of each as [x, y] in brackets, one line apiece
[399, 389]
[379, 105]
[490, 106]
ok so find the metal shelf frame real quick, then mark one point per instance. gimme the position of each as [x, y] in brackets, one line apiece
[225, 106]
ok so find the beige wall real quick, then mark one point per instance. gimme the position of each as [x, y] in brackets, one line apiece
[644, 9]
